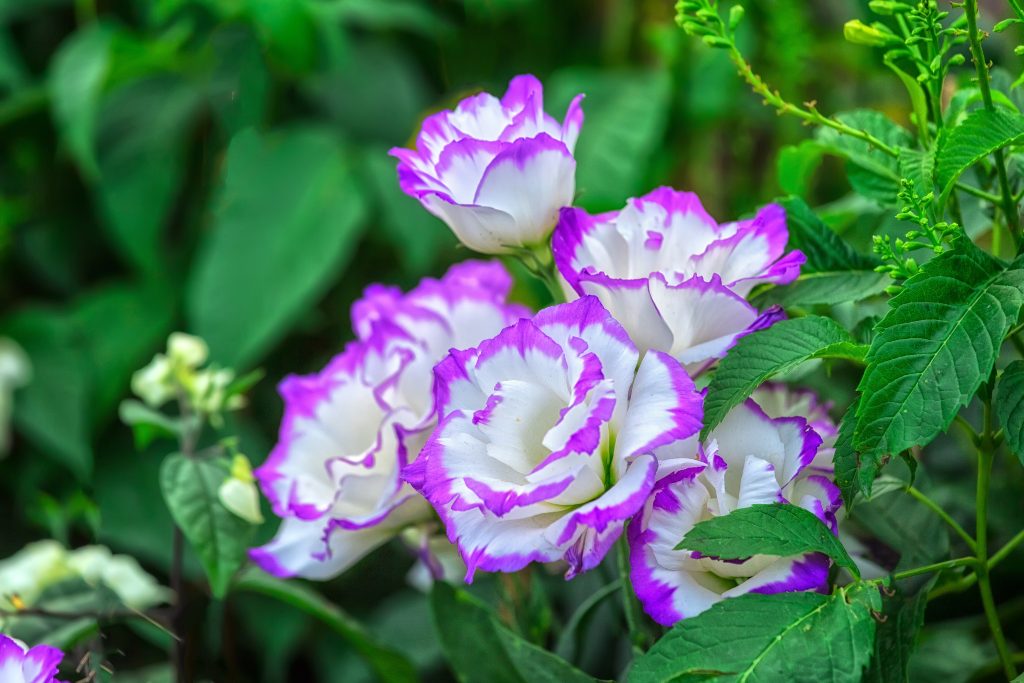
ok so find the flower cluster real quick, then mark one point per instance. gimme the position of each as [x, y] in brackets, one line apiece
[542, 438]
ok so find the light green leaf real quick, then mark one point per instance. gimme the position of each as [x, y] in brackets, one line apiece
[800, 637]
[147, 424]
[981, 133]
[77, 75]
[52, 411]
[626, 114]
[918, 102]
[220, 539]
[935, 347]
[288, 220]
[1010, 406]
[758, 356]
[775, 529]
[827, 288]
[481, 650]
[796, 167]
[389, 663]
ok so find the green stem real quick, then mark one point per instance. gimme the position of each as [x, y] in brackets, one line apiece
[929, 568]
[630, 605]
[985, 458]
[953, 524]
[1009, 206]
[1001, 554]
[980, 193]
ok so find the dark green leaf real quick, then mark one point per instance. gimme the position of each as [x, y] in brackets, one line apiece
[896, 636]
[758, 356]
[980, 134]
[935, 347]
[826, 251]
[288, 220]
[871, 172]
[220, 538]
[481, 650]
[776, 529]
[389, 663]
[1010, 406]
[854, 472]
[800, 637]
[904, 524]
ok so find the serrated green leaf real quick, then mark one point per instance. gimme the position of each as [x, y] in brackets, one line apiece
[774, 529]
[481, 650]
[934, 348]
[801, 637]
[389, 663]
[854, 473]
[872, 173]
[762, 354]
[220, 539]
[827, 288]
[1010, 406]
[826, 251]
[289, 218]
[980, 134]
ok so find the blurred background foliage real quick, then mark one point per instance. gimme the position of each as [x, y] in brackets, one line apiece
[220, 167]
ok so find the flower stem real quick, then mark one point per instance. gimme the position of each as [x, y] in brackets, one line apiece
[929, 568]
[985, 457]
[630, 604]
[953, 524]
[178, 615]
[1008, 203]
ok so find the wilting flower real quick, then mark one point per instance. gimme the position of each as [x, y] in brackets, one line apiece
[748, 459]
[20, 664]
[548, 438]
[496, 171]
[349, 429]
[675, 278]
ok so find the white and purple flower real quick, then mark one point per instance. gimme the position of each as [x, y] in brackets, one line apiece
[674, 277]
[749, 459]
[496, 171]
[348, 430]
[20, 664]
[547, 439]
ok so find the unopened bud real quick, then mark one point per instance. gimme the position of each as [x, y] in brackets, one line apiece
[875, 35]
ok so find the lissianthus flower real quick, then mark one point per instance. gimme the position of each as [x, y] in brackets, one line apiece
[675, 278]
[349, 429]
[496, 171]
[21, 664]
[749, 459]
[548, 438]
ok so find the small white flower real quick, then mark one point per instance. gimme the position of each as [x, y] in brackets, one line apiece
[187, 350]
[154, 383]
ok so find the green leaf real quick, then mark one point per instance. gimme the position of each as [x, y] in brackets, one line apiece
[288, 220]
[872, 173]
[1010, 406]
[796, 167]
[774, 529]
[389, 663]
[52, 411]
[827, 288]
[896, 636]
[934, 348]
[626, 113]
[769, 638]
[980, 134]
[917, 98]
[919, 168]
[143, 130]
[903, 523]
[147, 424]
[77, 76]
[72, 595]
[826, 251]
[854, 473]
[481, 650]
[758, 356]
[220, 539]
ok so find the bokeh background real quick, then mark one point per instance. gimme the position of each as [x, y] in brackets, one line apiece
[220, 167]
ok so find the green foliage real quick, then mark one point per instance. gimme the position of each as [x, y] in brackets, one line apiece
[481, 650]
[1010, 406]
[777, 529]
[896, 635]
[871, 172]
[979, 135]
[791, 637]
[765, 353]
[389, 663]
[934, 348]
[288, 217]
[189, 486]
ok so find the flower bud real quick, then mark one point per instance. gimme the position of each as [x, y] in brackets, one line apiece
[875, 35]
[238, 492]
[154, 384]
[888, 7]
[187, 350]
